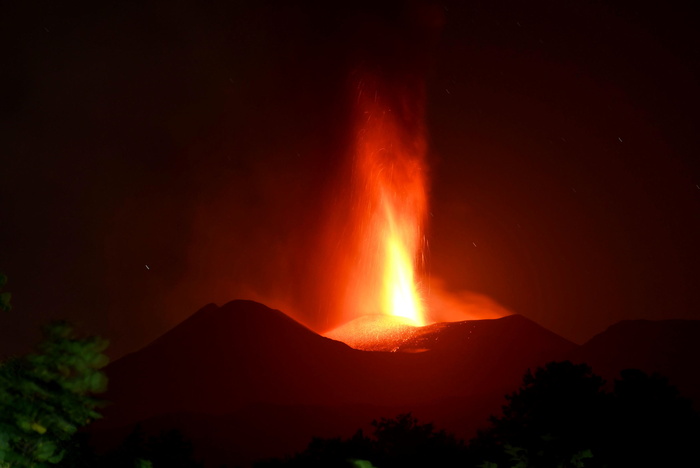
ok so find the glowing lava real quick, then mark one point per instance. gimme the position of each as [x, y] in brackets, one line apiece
[375, 333]
[400, 295]
[388, 210]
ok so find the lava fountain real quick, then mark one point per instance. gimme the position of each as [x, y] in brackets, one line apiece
[391, 172]
[386, 216]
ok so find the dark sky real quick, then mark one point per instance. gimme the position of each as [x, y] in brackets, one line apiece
[160, 155]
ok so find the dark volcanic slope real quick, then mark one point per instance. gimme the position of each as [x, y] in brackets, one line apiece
[509, 335]
[220, 358]
[225, 358]
[243, 381]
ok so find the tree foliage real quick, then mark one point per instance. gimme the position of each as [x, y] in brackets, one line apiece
[167, 449]
[548, 420]
[395, 442]
[562, 417]
[650, 423]
[404, 441]
[45, 397]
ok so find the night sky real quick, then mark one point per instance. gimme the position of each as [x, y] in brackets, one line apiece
[160, 155]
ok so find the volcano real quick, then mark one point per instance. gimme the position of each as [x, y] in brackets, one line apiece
[245, 382]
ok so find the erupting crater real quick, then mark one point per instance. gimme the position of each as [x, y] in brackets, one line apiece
[378, 332]
[381, 232]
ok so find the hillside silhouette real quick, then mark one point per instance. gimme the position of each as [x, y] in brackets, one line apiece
[245, 382]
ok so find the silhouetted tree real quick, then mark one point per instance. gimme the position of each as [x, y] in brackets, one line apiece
[169, 449]
[46, 396]
[651, 424]
[332, 453]
[79, 453]
[395, 442]
[561, 417]
[404, 442]
[549, 420]
[129, 452]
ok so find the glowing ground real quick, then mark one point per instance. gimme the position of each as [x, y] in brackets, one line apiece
[377, 333]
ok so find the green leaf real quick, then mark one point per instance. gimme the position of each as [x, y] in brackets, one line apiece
[57, 457]
[577, 459]
[38, 428]
[44, 451]
[362, 464]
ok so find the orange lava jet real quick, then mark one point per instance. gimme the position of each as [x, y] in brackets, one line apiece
[388, 209]
[375, 235]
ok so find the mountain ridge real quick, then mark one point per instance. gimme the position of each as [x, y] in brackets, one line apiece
[244, 361]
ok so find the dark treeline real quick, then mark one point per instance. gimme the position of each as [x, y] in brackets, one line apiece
[168, 449]
[561, 416]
